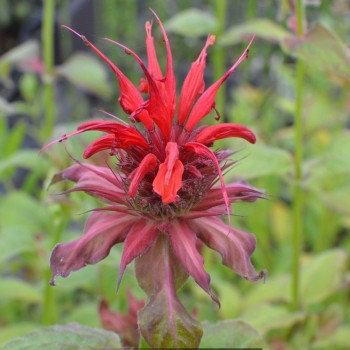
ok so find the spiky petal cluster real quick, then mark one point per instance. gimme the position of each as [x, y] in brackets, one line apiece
[162, 192]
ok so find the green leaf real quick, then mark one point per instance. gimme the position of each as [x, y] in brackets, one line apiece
[9, 332]
[14, 241]
[27, 159]
[69, 337]
[322, 276]
[228, 334]
[266, 317]
[262, 161]
[261, 28]
[86, 72]
[321, 48]
[15, 289]
[192, 23]
[336, 340]
[20, 210]
[18, 56]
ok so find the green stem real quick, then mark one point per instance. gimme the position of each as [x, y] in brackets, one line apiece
[298, 158]
[219, 54]
[50, 311]
[48, 58]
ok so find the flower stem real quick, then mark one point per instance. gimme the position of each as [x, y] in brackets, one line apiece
[48, 58]
[298, 158]
[219, 56]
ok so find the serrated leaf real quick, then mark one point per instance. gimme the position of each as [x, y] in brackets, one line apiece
[11, 331]
[86, 72]
[69, 337]
[15, 289]
[322, 276]
[261, 28]
[321, 48]
[261, 161]
[228, 334]
[192, 23]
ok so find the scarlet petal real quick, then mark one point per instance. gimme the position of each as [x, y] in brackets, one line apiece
[235, 246]
[139, 239]
[194, 84]
[206, 101]
[102, 231]
[222, 131]
[105, 142]
[130, 98]
[184, 240]
[169, 177]
[147, 164]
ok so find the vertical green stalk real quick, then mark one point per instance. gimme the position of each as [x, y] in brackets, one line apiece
[219, 53]
[298, 158]
[50, 311]
[48, 58]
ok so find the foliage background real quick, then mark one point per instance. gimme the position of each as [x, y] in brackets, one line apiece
[38, 103]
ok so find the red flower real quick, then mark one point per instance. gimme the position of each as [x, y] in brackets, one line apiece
[161, 196]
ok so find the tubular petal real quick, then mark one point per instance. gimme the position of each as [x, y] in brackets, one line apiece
[183, 241]
[222, 131]
[130, 98]
[207, 100]
[157, 110]
[169, 177]
[147, 164]
[193, 85]
[170, 82]
[101, 144]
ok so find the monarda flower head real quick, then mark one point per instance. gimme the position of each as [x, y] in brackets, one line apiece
[164, 190]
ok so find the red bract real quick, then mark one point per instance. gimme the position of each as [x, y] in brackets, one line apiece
[161, 196]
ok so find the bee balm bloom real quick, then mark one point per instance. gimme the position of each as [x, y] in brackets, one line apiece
[161, 192]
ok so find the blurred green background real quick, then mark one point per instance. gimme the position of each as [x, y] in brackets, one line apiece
[50, 82]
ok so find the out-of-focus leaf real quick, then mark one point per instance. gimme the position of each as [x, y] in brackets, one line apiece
[69, 337]
[15, 241]
[228, 334]
[15, 330]
[275, 289]
[86, 72]
[192, 23]
[337, 340]
[322, 276]
[338, 199]
[321, 48]
[86, 314]
[20, 210]
[27, 159]
[230, 300]
[266, 317]
[19, 56]
[261, 28]
[5, 107]
[15, 289]
[262, 161]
